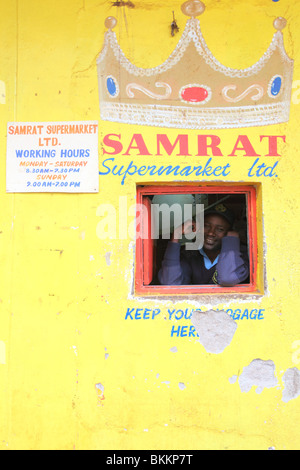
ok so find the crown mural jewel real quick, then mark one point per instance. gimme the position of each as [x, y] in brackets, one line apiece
[192, 89]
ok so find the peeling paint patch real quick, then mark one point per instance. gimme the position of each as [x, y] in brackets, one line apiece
[291, 380]
[100, 387]
[107, 258]
[181, 385]
[100, 393]
[258, 373]
[174, 349]
[2, 353]
[167, 382]
[215, 329]
[106, 355]
[233, 379]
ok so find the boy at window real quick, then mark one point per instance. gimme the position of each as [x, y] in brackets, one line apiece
[221, 260]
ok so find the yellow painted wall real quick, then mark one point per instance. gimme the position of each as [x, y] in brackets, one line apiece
[64, 292]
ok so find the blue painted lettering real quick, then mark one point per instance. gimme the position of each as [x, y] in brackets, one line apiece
[179, 314]
[183, 330]
[177, 170]
[253, 314]
[262, 169]
[141, 313]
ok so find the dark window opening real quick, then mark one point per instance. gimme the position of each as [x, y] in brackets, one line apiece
[235, 203]
[239, 199]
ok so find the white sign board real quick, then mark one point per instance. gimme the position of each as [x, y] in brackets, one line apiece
[52, 157]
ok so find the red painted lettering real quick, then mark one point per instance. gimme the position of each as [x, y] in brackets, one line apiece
[140, 145]
[203, 145]
[182, 139]
[246, 147]
[273, 144]
[115, 144]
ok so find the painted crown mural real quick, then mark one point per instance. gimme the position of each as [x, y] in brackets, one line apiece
[191, 89]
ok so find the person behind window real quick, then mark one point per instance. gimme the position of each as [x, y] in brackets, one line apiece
[221, 260]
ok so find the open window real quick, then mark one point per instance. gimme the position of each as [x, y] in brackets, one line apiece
[151, 241]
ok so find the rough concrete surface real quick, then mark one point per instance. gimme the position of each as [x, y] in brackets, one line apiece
[291, 380]
[215, 329]
[258, 373]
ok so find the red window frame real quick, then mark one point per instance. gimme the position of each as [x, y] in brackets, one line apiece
[144, 264]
